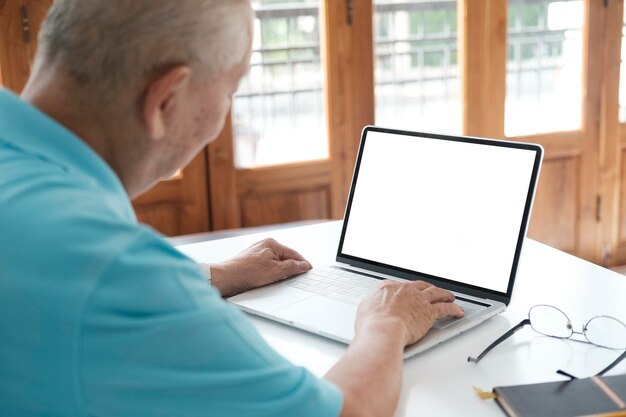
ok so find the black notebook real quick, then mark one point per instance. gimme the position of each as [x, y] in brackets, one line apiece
[580, 397]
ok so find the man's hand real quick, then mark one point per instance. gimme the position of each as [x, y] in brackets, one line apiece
[262, 263]
[411, 308]
[396, 315]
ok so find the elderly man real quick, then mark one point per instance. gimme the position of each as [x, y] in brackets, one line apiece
[100, 316]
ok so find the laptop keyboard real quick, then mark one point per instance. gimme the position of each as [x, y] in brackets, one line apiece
[335, 283]
[350, 287]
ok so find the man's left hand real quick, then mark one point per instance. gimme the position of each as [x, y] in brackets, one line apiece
[263, 263]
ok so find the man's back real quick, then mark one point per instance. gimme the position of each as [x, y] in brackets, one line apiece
[45, 265]
[100, 315]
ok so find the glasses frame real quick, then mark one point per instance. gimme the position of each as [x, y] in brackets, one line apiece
[527, 321]
[571, 327]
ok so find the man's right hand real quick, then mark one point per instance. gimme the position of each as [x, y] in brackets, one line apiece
[410, 307]
[396, 315]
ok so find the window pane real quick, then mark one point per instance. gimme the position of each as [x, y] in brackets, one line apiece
[417, 76]
[622, 76]
[278, 112]
[544, 67]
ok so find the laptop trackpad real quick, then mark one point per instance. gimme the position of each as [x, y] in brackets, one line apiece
[270, 298]
[322, 314]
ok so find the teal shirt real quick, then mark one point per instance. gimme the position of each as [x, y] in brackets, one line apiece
[100, 316]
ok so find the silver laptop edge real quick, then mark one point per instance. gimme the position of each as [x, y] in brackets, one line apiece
[432, 339]
[262, 301]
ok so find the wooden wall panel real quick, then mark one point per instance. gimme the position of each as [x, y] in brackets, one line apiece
[283, 178]
[162, 216]
[259, 210]
[554, 219]
[18, 46]
[187, 193]
[284, 193]
[622, 199]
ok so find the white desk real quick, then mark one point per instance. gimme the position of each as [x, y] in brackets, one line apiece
[439, 381]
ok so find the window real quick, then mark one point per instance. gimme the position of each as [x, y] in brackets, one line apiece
[544, 66]
[278, 112]
[416, 74]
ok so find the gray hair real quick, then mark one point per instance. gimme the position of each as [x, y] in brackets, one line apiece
[109, 44]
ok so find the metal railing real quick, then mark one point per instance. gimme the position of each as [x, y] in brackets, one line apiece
[286, 78]
[445, 42]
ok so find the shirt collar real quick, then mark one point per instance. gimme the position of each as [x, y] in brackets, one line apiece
[25, 127]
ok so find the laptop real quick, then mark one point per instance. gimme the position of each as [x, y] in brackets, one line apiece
[449, 210]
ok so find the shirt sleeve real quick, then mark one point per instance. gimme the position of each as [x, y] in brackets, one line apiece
[157, 341]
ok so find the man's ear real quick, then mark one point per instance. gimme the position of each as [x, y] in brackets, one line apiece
[162, 96]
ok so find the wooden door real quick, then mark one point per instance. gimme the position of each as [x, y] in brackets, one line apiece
[568, 207]
[566, 211]
[176, 206]
[317, 189]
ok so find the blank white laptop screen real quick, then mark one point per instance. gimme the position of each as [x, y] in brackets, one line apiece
[444, 208]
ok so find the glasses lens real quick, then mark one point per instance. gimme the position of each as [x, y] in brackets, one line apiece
[550, 321]
[606, 331]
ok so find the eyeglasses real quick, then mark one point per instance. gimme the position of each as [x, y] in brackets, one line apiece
[603, 331]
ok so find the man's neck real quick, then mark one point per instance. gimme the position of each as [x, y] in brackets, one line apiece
[52, 97]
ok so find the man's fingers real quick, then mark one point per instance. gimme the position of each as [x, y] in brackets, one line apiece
[448, 310]
[292, 267]
[421, 285]
[438, 295]
[285, 252]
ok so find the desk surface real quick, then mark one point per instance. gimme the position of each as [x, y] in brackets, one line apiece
[440, 381]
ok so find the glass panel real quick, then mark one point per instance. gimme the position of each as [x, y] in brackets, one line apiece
[622, 76]
[417, 76]
[544, 66]
[278, 112]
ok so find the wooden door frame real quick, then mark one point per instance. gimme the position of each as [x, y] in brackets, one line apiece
[612, 249]
[594, 72]
[348, 63]
[482, 34]
[348, 43]
[484, 27]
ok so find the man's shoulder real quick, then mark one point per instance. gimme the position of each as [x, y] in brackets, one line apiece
[64, 228]
[57, 225]
[37, 195]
